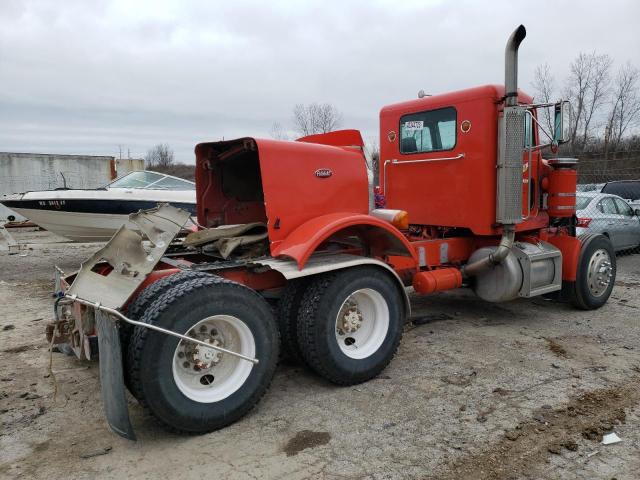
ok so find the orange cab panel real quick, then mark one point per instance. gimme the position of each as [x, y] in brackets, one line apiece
[438, 158]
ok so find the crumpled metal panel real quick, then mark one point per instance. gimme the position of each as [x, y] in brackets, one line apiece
[131, 260]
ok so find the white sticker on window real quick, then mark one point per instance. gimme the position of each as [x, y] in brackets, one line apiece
[414, 125]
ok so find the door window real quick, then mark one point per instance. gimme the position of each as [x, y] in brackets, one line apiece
[607, 206]
[430, 131]
[623, 207]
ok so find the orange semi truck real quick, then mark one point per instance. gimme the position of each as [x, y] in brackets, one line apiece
[289, 253]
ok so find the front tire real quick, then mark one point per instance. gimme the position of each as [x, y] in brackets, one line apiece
[194, 389]
[596, 273]
[350, 324]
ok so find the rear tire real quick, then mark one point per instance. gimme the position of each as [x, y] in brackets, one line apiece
[287, 316]
[596, 273]
[350, 324]
[214, 389]
[136, 309]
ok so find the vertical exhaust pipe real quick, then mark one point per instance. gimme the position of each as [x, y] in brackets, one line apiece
[511, 157]
[511, 66]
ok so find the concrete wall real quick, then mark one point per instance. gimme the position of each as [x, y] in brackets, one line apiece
[126, 165]
[22, 172]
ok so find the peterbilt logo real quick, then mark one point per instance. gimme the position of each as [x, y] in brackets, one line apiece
[323, 173]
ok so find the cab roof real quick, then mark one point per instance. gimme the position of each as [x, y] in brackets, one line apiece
[495, 92]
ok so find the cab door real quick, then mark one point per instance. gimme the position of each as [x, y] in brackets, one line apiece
[610, 222]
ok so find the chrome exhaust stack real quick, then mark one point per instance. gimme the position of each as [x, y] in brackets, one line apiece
[511, 135]
[511, 66]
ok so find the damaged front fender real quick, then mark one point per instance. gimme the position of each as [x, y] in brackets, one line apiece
[130, 259]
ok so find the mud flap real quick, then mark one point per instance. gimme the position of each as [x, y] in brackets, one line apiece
[114, 398]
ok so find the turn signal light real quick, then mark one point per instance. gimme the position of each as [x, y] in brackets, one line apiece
[583, 222]
[397, 218]
[401, 220]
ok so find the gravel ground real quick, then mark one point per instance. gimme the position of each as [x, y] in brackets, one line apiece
[477, 390]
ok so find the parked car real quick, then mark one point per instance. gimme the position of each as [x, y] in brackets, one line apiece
[627, 189]
[609, 215]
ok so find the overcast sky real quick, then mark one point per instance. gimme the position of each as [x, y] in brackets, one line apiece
[80, 76]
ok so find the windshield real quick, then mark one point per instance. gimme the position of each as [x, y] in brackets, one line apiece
[153, 181]
[582, 201]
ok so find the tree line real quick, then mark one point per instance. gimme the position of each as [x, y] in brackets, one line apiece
[605, 102]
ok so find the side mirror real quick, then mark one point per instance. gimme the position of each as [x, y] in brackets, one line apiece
[561, 122]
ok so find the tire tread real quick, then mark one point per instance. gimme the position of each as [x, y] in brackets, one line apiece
[310, 304]
[151, 316]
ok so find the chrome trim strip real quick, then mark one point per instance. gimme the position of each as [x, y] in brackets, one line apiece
[395, 161]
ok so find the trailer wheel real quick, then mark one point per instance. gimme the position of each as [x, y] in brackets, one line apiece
[596, 273]
[136, 309]
[350, 324]
[287, 316]
[192, 389]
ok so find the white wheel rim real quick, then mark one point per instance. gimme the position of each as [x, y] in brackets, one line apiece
[362, 323]
[205, 375]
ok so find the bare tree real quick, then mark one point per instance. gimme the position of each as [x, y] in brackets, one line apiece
[316, 118]
[544, 89]
[587, 88]
[159, 156]
[373, 158]
[278, 132]
[625, 106]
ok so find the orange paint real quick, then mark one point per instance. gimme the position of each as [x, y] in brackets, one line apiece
[437, 280]
[570, 248]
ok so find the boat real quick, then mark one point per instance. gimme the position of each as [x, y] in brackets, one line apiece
[94, 215]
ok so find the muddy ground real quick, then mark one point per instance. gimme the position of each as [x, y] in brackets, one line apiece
[517, 390]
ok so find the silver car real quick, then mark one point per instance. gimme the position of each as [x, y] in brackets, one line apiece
[609, 215]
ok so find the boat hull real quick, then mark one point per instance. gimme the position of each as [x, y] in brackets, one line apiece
[94, 215]
[86, 220]
[79, 227]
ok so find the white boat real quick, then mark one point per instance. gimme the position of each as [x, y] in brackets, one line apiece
[95, 215]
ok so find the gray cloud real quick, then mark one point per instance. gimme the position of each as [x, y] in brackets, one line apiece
[83, 77]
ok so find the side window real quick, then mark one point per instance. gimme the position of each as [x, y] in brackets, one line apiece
[608, 207]
[623, 207]
[430, 131]
[529, 140]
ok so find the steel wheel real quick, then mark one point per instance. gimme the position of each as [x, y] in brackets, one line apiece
[350, 323]
[206, 375]
[198, 389]
[599, 273]
[595, 274]
[362, 323]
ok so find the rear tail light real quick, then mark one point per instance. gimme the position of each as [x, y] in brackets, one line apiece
[583, 222]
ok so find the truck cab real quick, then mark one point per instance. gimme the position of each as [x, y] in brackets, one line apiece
[444, 148]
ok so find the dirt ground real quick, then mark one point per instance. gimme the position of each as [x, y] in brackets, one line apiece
[517, 390]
